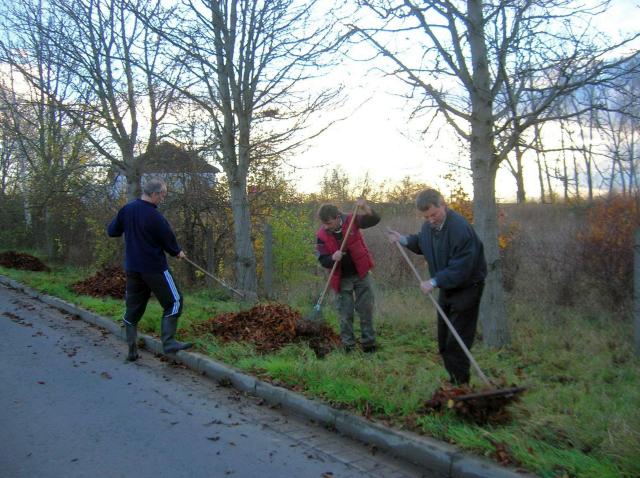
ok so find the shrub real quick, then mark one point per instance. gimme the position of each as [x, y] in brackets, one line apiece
[607, 242]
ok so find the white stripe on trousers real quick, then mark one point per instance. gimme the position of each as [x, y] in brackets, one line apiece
[174, 292]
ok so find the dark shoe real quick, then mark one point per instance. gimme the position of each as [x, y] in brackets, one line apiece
[170, 345]
[369, 349]
[132, 342]
[176, 346]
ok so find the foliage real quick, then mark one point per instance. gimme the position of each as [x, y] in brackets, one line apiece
[293, 236]
[13, 230]
[607, 243]
[405, 191]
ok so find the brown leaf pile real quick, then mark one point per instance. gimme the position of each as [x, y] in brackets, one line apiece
[25, 262]
[110, 281]
[270, 327]
[490, 409]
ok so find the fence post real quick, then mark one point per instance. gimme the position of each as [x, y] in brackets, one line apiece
[211, 257]
[268, 261]
[636, 292]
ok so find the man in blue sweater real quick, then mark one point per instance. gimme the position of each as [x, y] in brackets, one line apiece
[455, 256]
[148, 236]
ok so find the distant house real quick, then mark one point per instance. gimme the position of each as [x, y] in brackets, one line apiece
[171, 163]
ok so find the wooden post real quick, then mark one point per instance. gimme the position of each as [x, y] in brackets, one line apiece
[636, 292]
[267, 275]
[211, 256]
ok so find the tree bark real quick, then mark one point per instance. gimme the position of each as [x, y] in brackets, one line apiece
[484, 166]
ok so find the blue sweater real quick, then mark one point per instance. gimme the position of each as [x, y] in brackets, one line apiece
[147, 236]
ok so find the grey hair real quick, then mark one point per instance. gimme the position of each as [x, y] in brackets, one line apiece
[153, 185]
[427, 198]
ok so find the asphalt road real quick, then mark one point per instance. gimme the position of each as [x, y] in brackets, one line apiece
[70, 406]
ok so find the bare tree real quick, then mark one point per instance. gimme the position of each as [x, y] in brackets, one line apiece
[111, 62]
[253, 67]
[50, 148]
[464, 62]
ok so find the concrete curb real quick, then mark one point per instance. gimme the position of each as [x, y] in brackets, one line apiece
[435, 456]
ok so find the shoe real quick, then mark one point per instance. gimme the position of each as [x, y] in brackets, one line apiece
[168, 330]
[369, 349]
[132, 342]
[347, 349]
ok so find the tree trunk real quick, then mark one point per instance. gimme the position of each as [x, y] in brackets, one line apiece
[493, 315]
[132, 173]
[484, 166]
[521, 194]
[245, 257]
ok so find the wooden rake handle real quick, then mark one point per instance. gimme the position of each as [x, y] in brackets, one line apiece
[219, 281]
[335, 264]
[447, 321]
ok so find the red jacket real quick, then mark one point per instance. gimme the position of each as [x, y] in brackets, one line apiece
[355, 246]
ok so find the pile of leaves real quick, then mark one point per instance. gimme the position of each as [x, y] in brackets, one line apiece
[110, 281]
[481, 407]
[270, 327]
[19, 260]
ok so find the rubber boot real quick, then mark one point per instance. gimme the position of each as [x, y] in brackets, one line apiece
[132, 342]
[168, 331]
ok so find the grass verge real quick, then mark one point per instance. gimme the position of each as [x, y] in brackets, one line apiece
[579, 418]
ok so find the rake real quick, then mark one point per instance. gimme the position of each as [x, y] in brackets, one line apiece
[242, 295]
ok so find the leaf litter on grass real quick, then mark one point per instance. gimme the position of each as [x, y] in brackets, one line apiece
[270, 327]
[481, 407]
[110, 281]
[19, 260]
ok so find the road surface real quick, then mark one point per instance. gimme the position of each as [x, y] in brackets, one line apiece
[70, 406]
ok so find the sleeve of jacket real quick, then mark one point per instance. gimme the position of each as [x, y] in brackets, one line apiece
[323, 255]
[116, 227]
[368, 220]
[166, 237]
[461, 260]
[413, 243]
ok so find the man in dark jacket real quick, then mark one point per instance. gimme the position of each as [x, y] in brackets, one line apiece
[350, 279]
[148, 236]
[455, 256]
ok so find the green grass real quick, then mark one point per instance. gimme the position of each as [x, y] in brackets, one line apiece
[579, 418]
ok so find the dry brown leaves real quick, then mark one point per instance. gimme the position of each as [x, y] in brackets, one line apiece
[25, 262]
[491, 408]
[270, 327]
[110, 281]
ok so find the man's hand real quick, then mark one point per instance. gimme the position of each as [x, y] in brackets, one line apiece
[426, 287]
[181, 255]
[363, 206]
[336, 256]
[394, 236]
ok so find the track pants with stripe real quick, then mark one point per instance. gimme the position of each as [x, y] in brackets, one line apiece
[139, 288]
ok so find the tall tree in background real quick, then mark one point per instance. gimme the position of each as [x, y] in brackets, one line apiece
[462, 59]
[49, 147]
[253, 67]
[111, 64]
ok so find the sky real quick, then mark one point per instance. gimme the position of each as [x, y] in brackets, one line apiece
[377, 139]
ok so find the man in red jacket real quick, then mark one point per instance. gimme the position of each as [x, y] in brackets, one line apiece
[350, 280]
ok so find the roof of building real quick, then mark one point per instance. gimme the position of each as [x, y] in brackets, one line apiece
[169, 158]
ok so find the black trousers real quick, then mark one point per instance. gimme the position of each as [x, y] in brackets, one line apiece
[139, 288]
[461, 307]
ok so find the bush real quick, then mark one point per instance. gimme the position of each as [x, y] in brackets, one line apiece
[607, 243]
